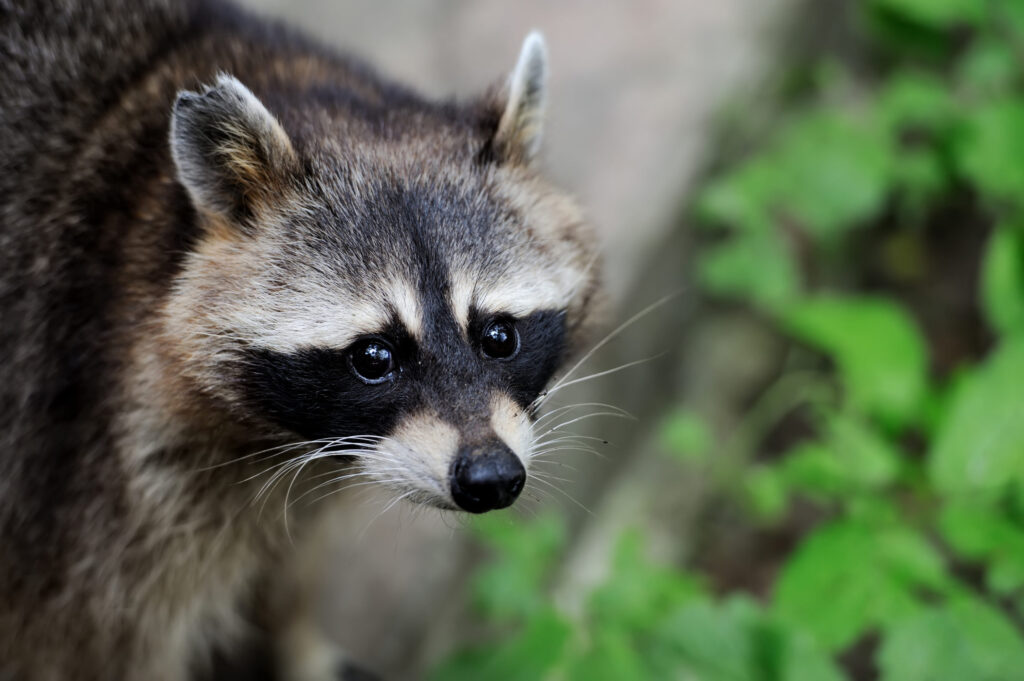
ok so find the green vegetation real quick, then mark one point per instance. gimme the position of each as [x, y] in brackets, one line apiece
[833, 231]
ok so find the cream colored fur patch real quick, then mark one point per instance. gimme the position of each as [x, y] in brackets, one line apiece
[417, 456]
[510, 422]
[309, 309]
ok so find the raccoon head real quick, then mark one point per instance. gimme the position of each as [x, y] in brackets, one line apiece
[386, 277]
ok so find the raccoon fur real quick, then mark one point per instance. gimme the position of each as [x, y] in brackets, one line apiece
[234, 265]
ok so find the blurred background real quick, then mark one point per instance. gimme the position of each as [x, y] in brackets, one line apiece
[821, 473]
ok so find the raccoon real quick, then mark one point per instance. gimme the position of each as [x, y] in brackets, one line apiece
[237, 265]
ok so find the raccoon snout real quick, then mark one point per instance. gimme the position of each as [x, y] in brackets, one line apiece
[486, 477]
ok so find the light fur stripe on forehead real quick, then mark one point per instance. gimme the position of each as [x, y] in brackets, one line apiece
[404, 301]
[518, 294]
[325, 318]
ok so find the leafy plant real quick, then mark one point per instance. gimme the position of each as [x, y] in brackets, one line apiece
[915, 467]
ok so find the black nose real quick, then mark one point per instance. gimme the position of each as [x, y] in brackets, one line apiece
[486, 477]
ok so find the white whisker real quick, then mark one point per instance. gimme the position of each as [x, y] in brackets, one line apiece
[385, 510]
[604, 341]
[599, 374]
[563, 492]
[549, 415]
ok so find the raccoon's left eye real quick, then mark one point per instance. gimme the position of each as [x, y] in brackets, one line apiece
[500, 339]
[372, 360]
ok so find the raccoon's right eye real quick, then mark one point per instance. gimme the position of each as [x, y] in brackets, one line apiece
[372, 360]
[500, 339]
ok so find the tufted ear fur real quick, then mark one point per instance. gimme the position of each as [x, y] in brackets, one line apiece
[231, 153]
[518, 135]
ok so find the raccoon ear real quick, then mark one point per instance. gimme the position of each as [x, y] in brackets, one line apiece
[518, 134]
[230, 152]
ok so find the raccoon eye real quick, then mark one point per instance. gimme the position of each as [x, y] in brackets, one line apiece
[371, 360]
[500, 339]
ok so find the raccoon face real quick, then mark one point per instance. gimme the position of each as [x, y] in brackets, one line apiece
[395, 285]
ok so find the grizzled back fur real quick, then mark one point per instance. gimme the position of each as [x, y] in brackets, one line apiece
[209, 227]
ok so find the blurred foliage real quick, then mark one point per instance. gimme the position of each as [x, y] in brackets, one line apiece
[916, 469]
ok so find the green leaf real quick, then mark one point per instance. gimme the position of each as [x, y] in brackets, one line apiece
[513, 585]
[531, 655]
[735, 640]
[974, 531]
[611, 657]
[936, 14]
[868, 576]
[1010, 14]
[851, 458]
[989, 68]
[869, 460]
[832, 172]
[964, 640]
[921, 177]
[1002, 279]
[766, 492]
[825, 173]
[980, 445]
[756, 267]
[715, 641]
[939, 400]
[801, 660]
[814, 469]
[912, 99]
[740, 199]
[686, 435]
[990, 149]
[916, 106]
[878, 349]
[1005, 576]
[638, 593]
[978, 531]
